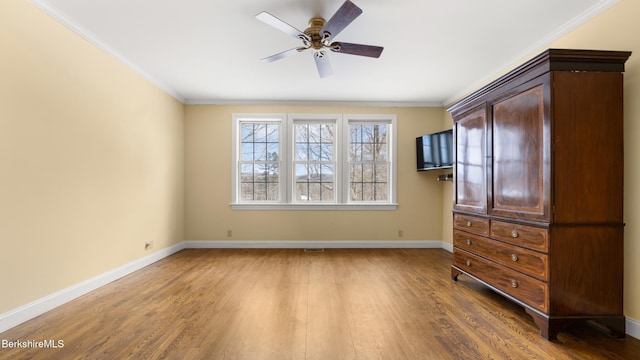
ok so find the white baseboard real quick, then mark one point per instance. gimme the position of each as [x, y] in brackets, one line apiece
[31, 310]
[633, 328]
[315, 244]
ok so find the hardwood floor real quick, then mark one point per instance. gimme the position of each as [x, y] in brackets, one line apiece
[291, 304]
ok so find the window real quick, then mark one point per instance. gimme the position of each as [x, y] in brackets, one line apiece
[284, 161]
[368, 162]
[259, 161]
[314, 161]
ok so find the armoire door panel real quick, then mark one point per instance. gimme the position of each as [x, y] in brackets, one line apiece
[470, 150]
[518, 162]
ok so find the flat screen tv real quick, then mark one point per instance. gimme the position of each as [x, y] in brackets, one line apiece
[435, 151]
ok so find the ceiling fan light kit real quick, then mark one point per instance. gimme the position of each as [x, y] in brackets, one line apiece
[319, 37]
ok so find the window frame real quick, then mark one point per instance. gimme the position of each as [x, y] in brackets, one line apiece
[341, 150]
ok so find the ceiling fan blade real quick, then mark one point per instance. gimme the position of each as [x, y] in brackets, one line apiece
[322, 63]
[283, 54]
[343, 17]
[269, 19]
[357, 49]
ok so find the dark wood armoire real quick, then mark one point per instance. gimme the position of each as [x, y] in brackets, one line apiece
[538, 188]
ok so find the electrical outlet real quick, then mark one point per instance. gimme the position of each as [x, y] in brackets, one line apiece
[148, 245]
[400, 233]
[229, 233]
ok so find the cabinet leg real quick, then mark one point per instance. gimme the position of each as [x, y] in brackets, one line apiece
[454, 273]
[549, 328]
[543, 324]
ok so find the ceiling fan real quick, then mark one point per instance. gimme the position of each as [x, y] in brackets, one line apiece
[319, 37]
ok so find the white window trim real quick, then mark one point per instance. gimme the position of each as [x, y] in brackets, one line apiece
[342, 166]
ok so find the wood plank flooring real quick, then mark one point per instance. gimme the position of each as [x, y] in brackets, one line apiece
[291, 304]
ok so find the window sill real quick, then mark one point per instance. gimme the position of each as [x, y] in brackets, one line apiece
[316, 207]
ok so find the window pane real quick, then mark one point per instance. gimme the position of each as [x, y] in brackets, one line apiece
[302, 192]
[273, 191]
[260, 133]
[327, 192]
[273, 152]
[260, 151]
[382, 192]
[246, 172]
[246, 191]
[259, 191]
[259, 173]
[367, 192]
[355, 193]
[327, 173]
[302, 133]
[247, 132]
[314, 182]
[326, 135]
[246, 151]
[355, 152]
[273, 133]
[302, 152]
[326, 153]
[355, 174]
[302, 173]
[314, 192]
[382, 173]
[367, 173]
[315, 151]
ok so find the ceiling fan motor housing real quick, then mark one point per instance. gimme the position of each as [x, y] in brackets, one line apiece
[313, 31]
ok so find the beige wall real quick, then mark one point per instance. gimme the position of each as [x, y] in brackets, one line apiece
[208, 185]
[91, 159]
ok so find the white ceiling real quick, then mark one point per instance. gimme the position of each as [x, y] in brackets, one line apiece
[208, 51]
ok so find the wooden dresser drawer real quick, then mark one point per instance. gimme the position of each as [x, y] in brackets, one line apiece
[517, 258]
[521, 235]
[471, 224]
[522, 287]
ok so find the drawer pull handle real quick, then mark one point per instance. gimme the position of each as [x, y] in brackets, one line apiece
[468, 262]
[514, 283]
[469, 223]
[515, 234]
[514, 257]
[469, 242]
